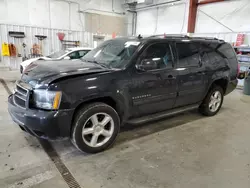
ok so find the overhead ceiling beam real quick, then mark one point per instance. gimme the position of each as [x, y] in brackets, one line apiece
[209, 1]
[158, 5]
[193, 5]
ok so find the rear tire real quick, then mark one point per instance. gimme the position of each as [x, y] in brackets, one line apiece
[212, 102]
[95, 128]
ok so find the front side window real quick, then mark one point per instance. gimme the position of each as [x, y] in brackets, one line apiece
[160, 54]
[113, 53]
[188, 54]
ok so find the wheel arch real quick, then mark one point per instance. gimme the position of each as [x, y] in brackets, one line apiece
[111, 101]
[222, 82]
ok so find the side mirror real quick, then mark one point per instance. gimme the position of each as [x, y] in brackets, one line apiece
[147, 65]
[67, 58]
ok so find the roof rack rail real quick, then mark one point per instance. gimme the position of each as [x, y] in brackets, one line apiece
[210, 38]
[183, 36]
[206, 38]
[170, 35]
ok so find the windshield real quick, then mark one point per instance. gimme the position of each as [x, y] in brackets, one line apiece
[58, 54]
[113, 53]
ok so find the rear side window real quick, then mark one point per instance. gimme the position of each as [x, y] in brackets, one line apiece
[188, 54]
[228, 51]
[224, 50]
[221, 54]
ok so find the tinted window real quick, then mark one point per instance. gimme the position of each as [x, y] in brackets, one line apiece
[161, 54]
[188, 54]
[74, 55]
[227, 50]
[210, 54]
[215, 58]
[205, 58]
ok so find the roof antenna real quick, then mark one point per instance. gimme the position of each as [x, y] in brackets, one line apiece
[139, 36]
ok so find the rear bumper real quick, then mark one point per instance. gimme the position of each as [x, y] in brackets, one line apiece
[41, 123]
[231, 86]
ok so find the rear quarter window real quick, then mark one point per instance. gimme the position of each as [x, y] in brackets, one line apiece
[229, 53]
[219, 55]
[227, 50]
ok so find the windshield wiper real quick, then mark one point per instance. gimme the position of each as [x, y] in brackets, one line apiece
[98, 63]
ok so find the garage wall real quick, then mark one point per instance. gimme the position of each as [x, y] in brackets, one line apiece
[234, 14]
[129, 23]
[49, 45]
[96, 23]
[54, 13]
[166, 19]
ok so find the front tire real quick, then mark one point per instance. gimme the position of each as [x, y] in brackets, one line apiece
[212, 102]
[95, 128]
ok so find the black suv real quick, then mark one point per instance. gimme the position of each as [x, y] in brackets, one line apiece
[124, 80]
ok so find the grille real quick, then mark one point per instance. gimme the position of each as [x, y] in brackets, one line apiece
[21, 94]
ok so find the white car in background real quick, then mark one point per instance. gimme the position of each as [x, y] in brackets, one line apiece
[69, 53]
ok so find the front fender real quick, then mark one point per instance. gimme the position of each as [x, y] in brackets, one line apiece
[120, 99]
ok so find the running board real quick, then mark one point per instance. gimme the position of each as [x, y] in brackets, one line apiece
[161, 115]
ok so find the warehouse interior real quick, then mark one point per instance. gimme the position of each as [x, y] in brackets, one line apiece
[180, 150]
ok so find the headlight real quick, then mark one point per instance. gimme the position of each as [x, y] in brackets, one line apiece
[49, 100]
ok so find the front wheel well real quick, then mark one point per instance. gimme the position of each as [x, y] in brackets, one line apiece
[107, 100]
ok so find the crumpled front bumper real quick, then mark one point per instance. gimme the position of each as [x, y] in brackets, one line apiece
[41, 123]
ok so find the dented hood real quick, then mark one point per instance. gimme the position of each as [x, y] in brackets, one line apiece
[45, 72]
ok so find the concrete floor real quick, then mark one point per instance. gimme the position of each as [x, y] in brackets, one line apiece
[187, 150]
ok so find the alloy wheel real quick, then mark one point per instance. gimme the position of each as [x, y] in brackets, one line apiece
[215, 101]
[98, 129]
